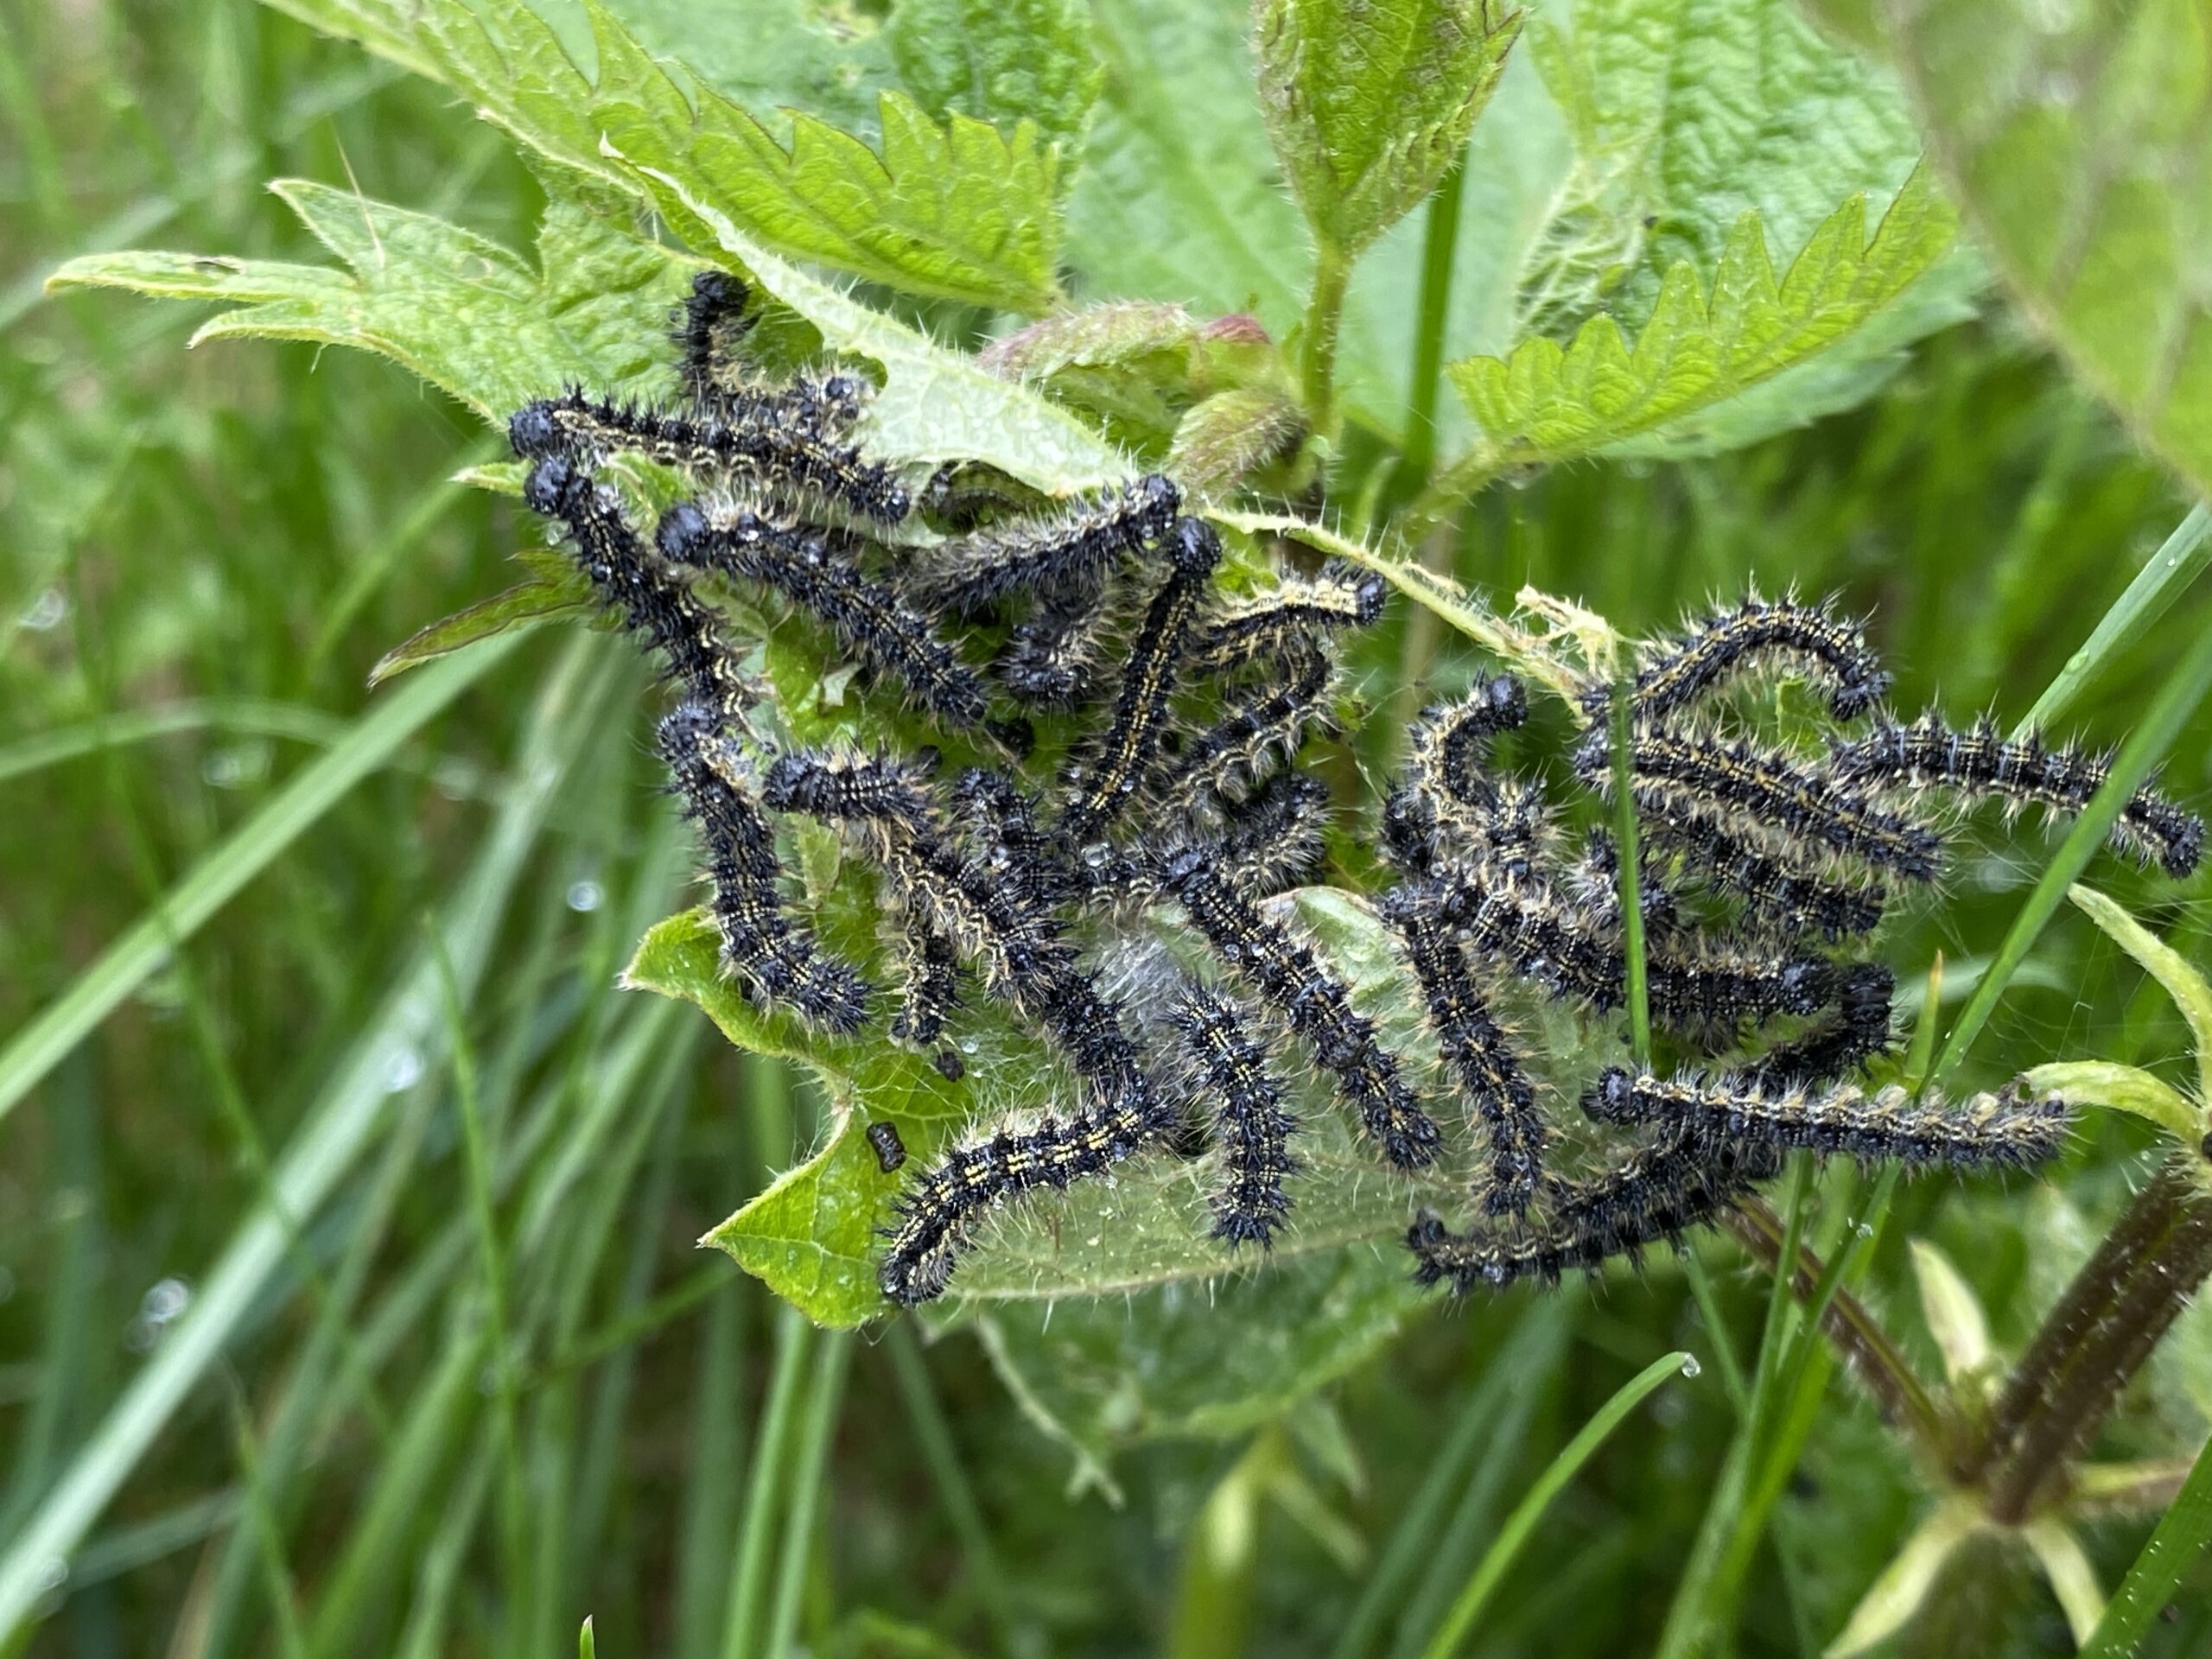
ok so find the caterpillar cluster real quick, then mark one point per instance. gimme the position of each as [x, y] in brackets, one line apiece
[1190, 708]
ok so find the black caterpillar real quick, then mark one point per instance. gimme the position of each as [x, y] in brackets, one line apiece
[1190, 712]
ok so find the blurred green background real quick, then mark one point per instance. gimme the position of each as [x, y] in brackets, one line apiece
[407, 1015]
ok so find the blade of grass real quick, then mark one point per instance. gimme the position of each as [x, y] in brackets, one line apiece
[216, 879]
[1490, 1572]
[1440, 242]
[934, 1436]
[2175, 1542]
[771, 1452]
[268, 1536]
[2157, 586]
[825, 1394]
[1529, 1351]
[247, 716]
[717, 1459]
[1632, 896]
[336, 1129]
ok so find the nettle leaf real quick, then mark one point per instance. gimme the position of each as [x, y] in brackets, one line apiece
[2080, 140]
[810, 1236]
[1686, 115]
[464, 314]
[1368, 101]
[1232, 435]
[950, 209]
[1000, 62]
[1548, 403]
[1214, 1360]
[1179, 199]
[542, 598]
[934, 404]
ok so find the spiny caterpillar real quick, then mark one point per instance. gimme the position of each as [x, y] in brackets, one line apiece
[1250, 1122]
[1731, 644]
[2009, 1128]
[1187, 794]
[1981, 763]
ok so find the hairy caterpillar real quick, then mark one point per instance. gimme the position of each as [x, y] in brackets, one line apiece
[1049, 656]
[648, 599]
[931, 990]
[1317, 1008]
[1067, 554]
[1656, 1195]
[1473, 1045]
[1226, 757]
[934, 1212]
[1803, 807]
[2009, 1128]
[1272, 840]
[1982, 763]
[1251, 1127]
[790, 436]
[1854, 1032]
[1265, 624]
[1113, 766]
[817, 573]
[707, 326]
[775, 956]
[1727, 644]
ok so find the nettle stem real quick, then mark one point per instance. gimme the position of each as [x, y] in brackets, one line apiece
[1324, 320]
[2103, 1330]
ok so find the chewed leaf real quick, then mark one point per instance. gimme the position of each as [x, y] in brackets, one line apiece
[1546, 403]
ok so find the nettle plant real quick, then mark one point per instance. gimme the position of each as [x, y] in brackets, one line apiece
[1003, 471]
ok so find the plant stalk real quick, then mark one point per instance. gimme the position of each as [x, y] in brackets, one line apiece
[1323, 320]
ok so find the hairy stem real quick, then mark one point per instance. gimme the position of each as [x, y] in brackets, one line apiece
[1324, 317]
[2071, 1405]
[1851, 1330]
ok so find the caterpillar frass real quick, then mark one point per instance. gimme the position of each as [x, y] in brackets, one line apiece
[2009, 1128]
[890, 1150]
[791, 437]
[936, 1212]
[817, 573]
[1473, 1045]
[1982, 763]
[707, 327]
[1068, 555]
[1261, 626]
[1113, 766]
[1287, 976]
[772, 955]
[644, 594]
[1251, 1127]
[1728, 645]
[1653, 1196]
[1806, 809]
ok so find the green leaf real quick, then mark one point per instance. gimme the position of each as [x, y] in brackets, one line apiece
[2079, 139]
[935, 404]
[811, 1234]
[2166, 965]
[1545, 403]
[1897, 1592]
[1686, 116]
[1367, 102]
[462, 312]
[2176, 1543]
[954, 209]
[2058, 1551]
[516, 610]
[1000, 62]
[2120, 1089]
[1952, 1311]
[1217, 1360]
[1230, 434]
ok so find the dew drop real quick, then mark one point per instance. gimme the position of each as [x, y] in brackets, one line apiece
[1690, 1367]
[403, 1070]
[586, 896]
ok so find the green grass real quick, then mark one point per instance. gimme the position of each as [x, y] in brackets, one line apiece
[309, 1003]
